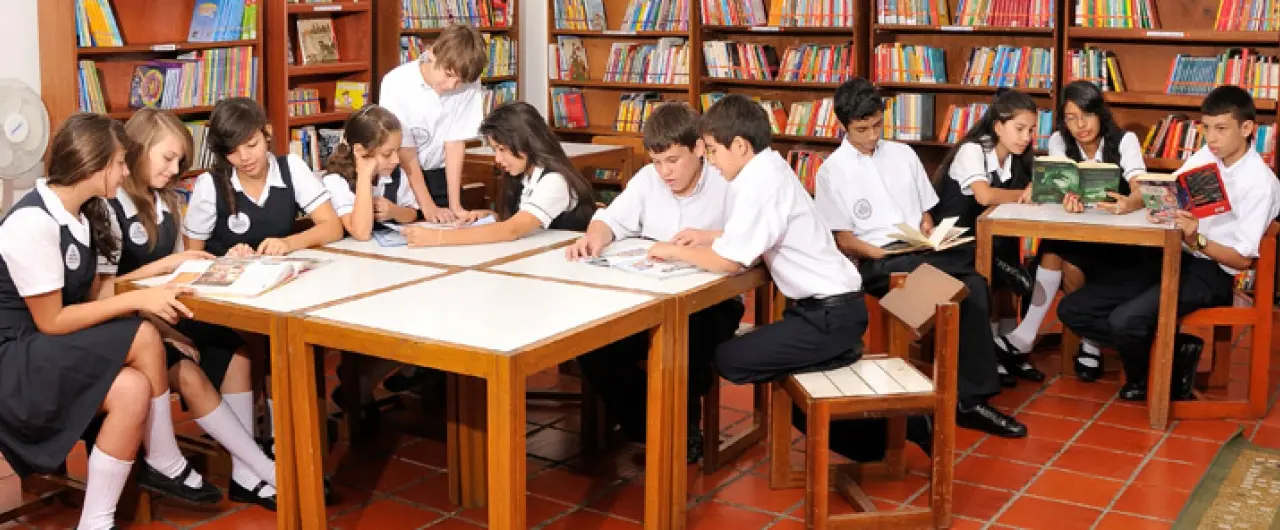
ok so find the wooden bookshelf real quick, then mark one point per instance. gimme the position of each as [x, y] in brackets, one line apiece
[150, 29]
[353, 28]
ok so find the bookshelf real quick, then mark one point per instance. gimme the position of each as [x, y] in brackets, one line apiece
[144, 33]
[352, 34]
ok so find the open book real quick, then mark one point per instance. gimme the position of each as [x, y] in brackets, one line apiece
[392, 235]
[1053, 177]
[943, 237]
[247, 277]
[636, 261]
[1198, 190]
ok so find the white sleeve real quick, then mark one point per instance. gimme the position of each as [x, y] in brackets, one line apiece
[924, 187]
[30, 247]
[550, 198]
[827, 201]
[755, 226]
[202, 210]
[340, 194]
[467, 117]
[308, 192]
[968, 166]
[1057, 147]
[624, 215]
[1254, 213]
[110, 264]
[1131, 161]
[404, 194]
[391, 98]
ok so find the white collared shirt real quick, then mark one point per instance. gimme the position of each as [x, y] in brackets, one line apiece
[1254, 194]
[30, 243]
[868, 195]
[972, 164]
[546, 196]
[769, 215]
[1131, 161]
[202, 211]
[427, 118]
[648, 208]
[344, 199]
[110, 264]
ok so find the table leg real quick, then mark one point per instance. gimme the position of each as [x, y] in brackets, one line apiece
[297, 397]
[506, 426]
[678, 372]
[658, 438]
[982, 254]
[1160, 374]
[471, 433]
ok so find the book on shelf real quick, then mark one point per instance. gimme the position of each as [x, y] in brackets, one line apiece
[350, 95]
[666, 62]
[606, 174]
[909, 117]
[202, 157]
[1175, 136]
[240, 277]
[605, 196]
[1198, 190]
[1010, 66]
[656, 15]
[303, 102]
[734, 13]
[314, 145]
[194, 79]
[1096, 65]
[223, 20]
[1125, 14]
[707, 99]
[317, 41]
[1005, 13]
[634, 109]
[96, 25]
[961, 118]
[502, 56]
[91, 96]
[805, 162]
[636, 261]
[498, 94]
[1247, 15]
[439, 14]
[740, 60]
[909, 238]
[1053, 177]
[817, 63]
[568, 108]
[775, 111]
[908, 63]
[567, 59]
[920, 13]
[1243, 67]
[811, 13]
[809, 63]
[813, 118]
[579, 15]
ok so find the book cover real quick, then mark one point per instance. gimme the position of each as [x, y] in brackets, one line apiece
[147, 87]
[636, 261]
[204, 21]
[1053, 177]
[317, 40]
[1206, 194]
[350, 95]
[1161, 195]
[1097, 181]
[240, 276]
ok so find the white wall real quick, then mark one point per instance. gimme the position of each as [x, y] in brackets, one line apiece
[19, 37]
[533, 53]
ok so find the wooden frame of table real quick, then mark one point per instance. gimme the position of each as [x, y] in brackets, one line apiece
[1159, 236]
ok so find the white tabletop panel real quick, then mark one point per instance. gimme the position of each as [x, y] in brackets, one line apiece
[1053, 213]
[483, 310]
[460, 255]
[571, 149]
[552, 264]
[339, 277]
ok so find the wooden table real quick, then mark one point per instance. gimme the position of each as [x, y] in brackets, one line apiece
[271, 313]
[1050, 221]
[457, 256]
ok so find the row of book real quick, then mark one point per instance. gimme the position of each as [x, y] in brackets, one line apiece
[438, 14]
[969, 13]
[805, 162]
[1177, 137]
[909, 117]
[780, 14]
[223, 20]
[303, 102]
[314, 145]
[1247, 15]
[1140, 14]
[503, 55]
[195, 79]
[90, 93]
[961, 118]
[199, 134]
[1009, 66]
[1096, 65]
[634, 110]
[666, 62]
[1259, 74]
[498, 94]
[568, 108]
[811, 63]
[639, 15]
[909, 63]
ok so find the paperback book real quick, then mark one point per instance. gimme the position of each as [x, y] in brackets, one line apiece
[1197, 190]
[636, 261]
[241, 277]
[943, 237]
[1053, 177]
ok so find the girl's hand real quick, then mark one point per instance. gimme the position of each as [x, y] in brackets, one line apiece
[162, 302]
[584, 247]
[240, 251]
[365, 165]
[1025, 198]
[171, 262]
[663, 251]
[418, 236]
[1121, 205]
[274, 246]
[186, 349]
[471, 216]
[381, 209]
[1072, 203]
[434, 214]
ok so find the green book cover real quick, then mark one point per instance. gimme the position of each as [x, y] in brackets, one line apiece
[1053, 177]
[1097, 180]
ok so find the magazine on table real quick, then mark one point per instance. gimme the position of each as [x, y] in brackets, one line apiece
[247, 277]
[636, 261]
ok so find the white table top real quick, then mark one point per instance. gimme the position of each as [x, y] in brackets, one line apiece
[483, 310]
[1053, 213]
[570, 148]
[553, 265]
[459, 256]
[341, 276]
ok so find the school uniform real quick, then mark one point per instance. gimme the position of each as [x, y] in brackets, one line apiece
[1119, 307]
[430, 119]
[769, 216]
[546, 195]
[868, 196]
[394, 188]
[51, 386]
[647, 208]
[216, 344]
[291, 189]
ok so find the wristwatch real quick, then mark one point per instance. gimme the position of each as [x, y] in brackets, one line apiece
[1201, 242]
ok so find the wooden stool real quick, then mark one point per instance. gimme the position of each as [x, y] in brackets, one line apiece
[887, 386]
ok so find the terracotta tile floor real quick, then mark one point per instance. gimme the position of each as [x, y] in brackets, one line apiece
[1090, 462]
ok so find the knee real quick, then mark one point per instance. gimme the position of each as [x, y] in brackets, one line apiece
[1050, 261]
[190, 378]
[148, 346]
[130, 394]
[728, 363]
[1130, 325]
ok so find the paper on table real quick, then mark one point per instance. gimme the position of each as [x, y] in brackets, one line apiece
[1053, 213]
[488, 219]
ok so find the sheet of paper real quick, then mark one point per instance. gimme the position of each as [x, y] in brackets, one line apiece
[941, 231]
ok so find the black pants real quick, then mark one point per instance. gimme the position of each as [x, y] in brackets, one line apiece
[1119, 307]
[1094, 259]
[437, 186]
[806, 339]
[614, 371]
[977, 378]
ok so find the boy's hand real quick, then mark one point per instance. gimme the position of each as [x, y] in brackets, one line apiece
[435, 214]
[1188, 224]
[926, 226]
[691, 237]
[584, 247]
[1072, 203]
[663, 251]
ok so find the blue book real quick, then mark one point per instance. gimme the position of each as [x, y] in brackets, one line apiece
[390, 238]
[204, 20]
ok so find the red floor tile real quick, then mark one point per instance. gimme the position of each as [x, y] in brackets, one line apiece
[718, 516]
[1152, 501]
[385, 513]
[1168, 474]
[700, 484]
[564, 486]
[426, 452]
[584, 520]
[538, 510]
[1070, 407]
[1075, 488]
[1212, 431]
[1098, 462]
[1050, 427]
[1075, 388]
[1028, 450]
[1119, 439]
[994, 472]
[975, 502]
[1030, 512]
[1187, 450]
[1126, 415]
[432, 492]
[255, 519]
[454, 523]
[895, 490]
[1268, 435]
[154, 525]
[754, 491]
[1120, 521]
[625, 501]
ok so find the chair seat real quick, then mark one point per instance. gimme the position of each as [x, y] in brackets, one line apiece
[867, 378]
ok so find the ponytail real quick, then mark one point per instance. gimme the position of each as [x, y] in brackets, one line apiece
[343, 162]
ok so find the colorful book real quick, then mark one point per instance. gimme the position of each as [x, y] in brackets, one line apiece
[1053, 177]
[1198, 190]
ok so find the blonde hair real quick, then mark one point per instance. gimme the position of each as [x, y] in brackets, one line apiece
[147, 128]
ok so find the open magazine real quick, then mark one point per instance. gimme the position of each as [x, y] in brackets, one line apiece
[636, 261]
[246, 277]
[392, 235]
[943, 237]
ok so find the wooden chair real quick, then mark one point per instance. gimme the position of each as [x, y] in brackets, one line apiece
[886, 385]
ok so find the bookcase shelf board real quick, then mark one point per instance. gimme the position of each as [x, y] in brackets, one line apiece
[842, 31]
[346, 67]
[1160, 99]
[330, 8]
[334, 118]
[630, 87]
[1200, 36]
[955, 88]
[432, 32]
[158, 49]
[617, 33]
[927, 29]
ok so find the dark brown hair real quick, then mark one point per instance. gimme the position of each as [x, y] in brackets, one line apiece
[1006, 105]
[86, 144]
[147, 128]
[518, 127]
[233, 122]
[368, 127]
[460, 50]
[736, 116]
[671, 124]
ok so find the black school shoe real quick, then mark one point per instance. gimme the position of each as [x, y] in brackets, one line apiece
[1014, 277]
[694, 449]
[240, 494]
[1016, 362]
[268, 447]
[1007, 380]
[985, 418]
[1085, 372]
[920, 432]
[176, 488]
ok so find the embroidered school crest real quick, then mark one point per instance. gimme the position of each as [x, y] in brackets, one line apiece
[238, 223]
[137, 234]
[73, 257]
[862, 209]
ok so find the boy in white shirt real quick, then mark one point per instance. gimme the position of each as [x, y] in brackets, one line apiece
[679, 198]
[865, 188]
[440, 103]
[1119, 307]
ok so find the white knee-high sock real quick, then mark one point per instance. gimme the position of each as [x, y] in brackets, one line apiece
[162, 448]
[1024, 336]
[107, 476]
[1089, 347]
[249, 464]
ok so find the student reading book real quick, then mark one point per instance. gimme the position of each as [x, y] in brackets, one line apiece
[1198, 190]
[910, 239]
[1054, 177]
